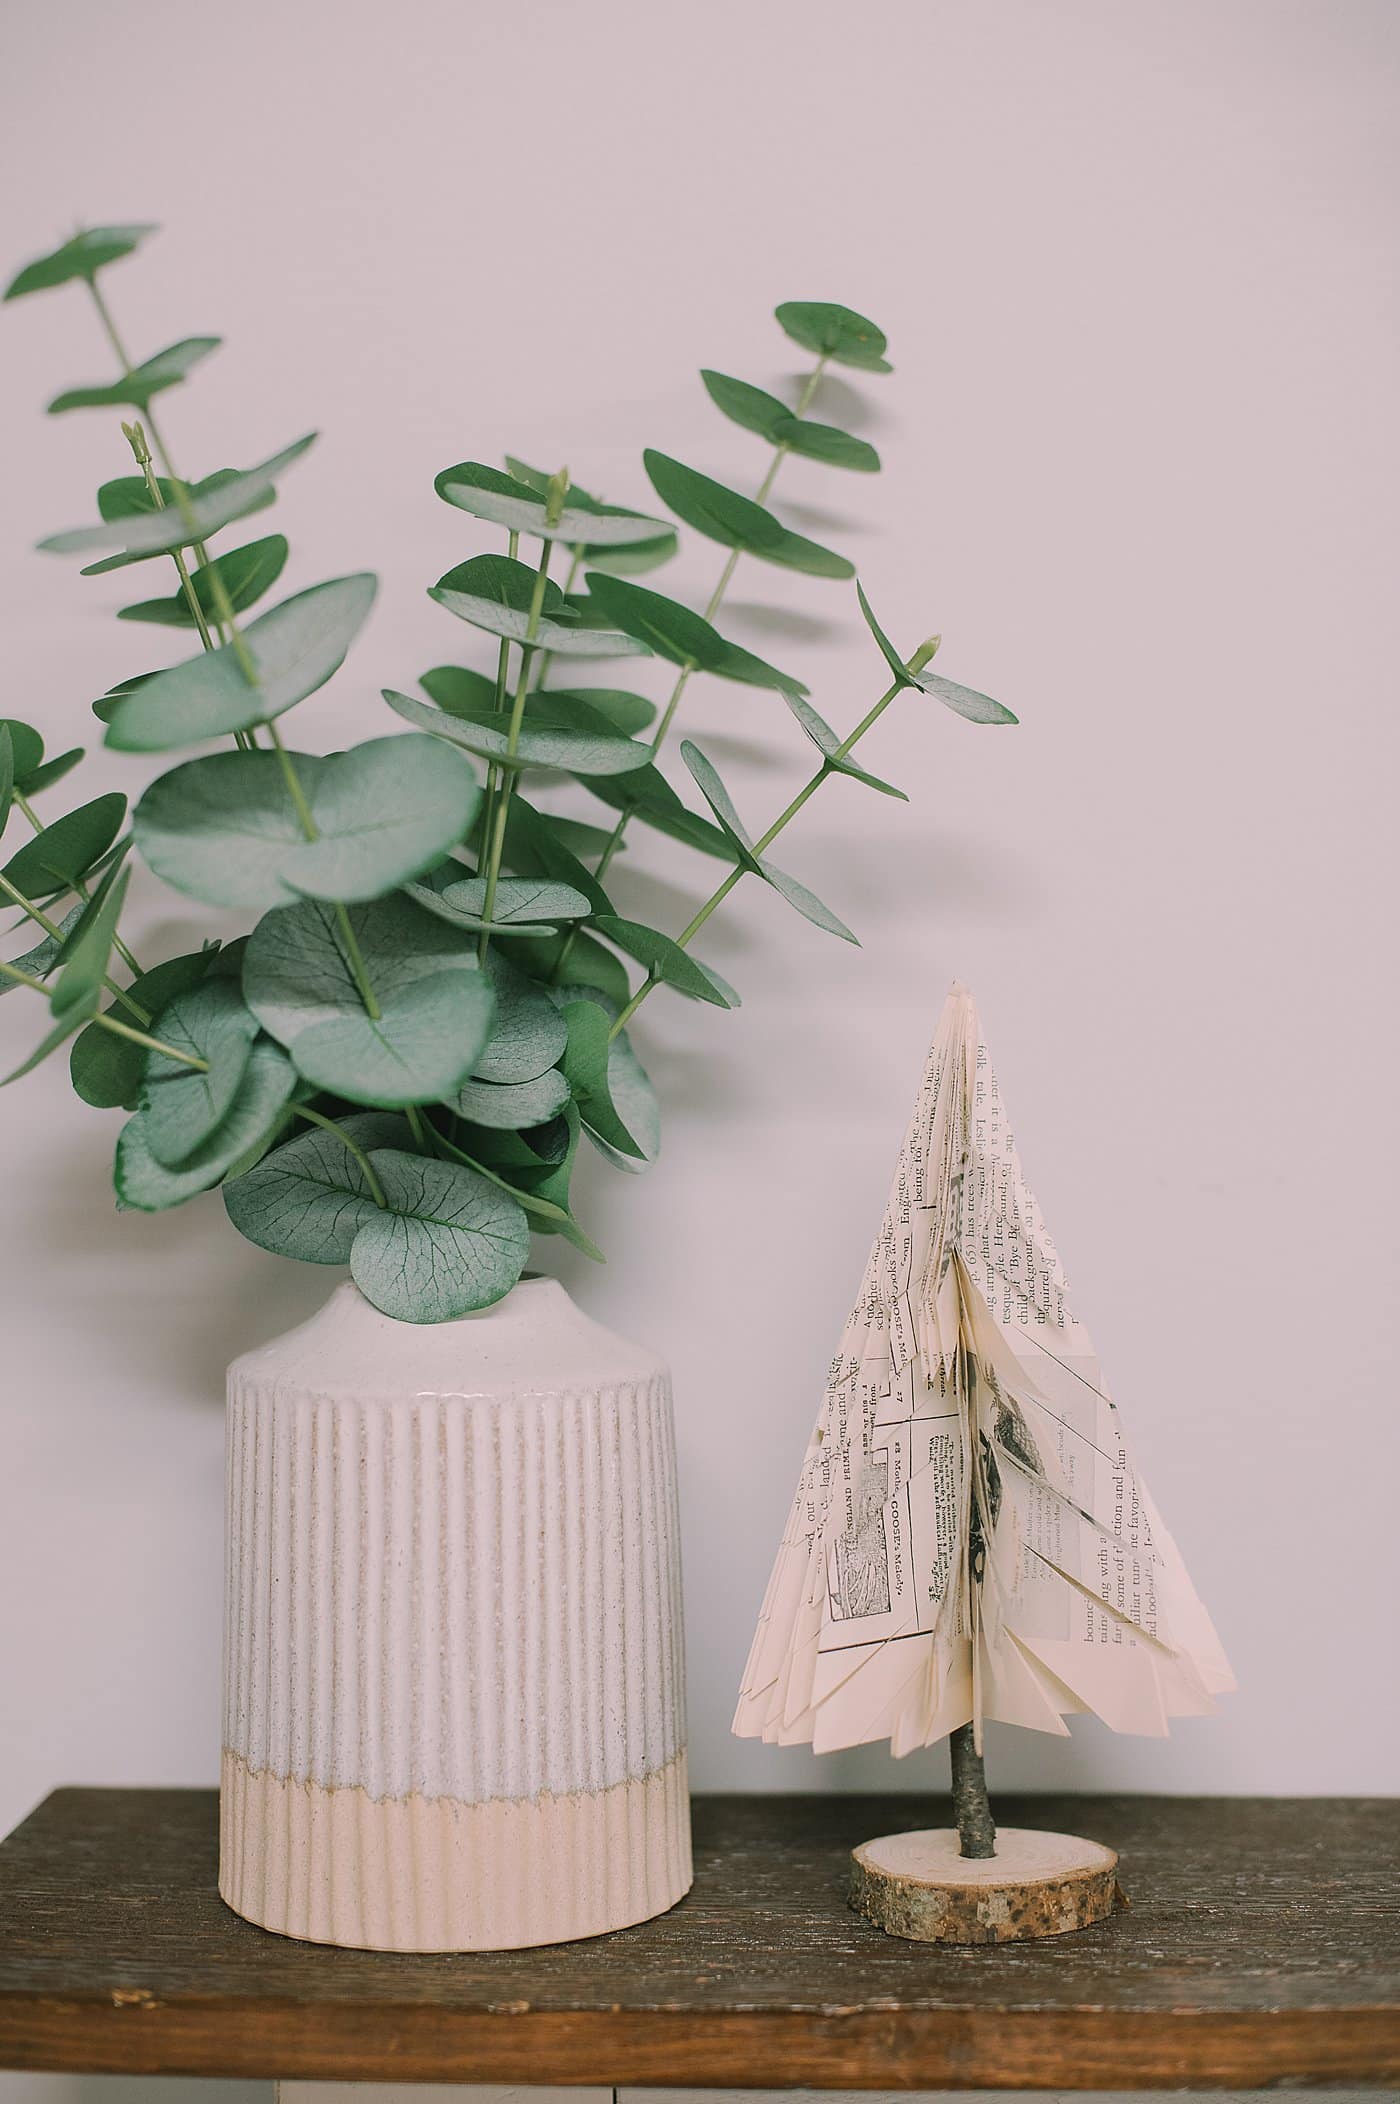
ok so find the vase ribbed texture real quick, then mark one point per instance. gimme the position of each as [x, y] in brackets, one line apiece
[454, 1712]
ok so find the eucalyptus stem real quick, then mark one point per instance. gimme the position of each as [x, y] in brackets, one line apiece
[557, 486]
[354, 955]
[493, 772]
[110, 1022]
[712, 607]
[52, 929]
[123, 358]
[135, 434]
[784, 818]
[351, 1146]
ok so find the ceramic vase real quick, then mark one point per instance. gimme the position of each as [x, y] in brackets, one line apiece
[453, 1672]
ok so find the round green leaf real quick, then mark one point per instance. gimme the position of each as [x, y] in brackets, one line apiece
[26, 748]
[667, 961]
[535, 847]
[295, 649]
[758, 411]
[631, 558]
[136, 389]
[624, 1106]
[258, 1107]
[527, 1033]
[310, 1197]
[496, 594]
[513, 1107]
[488, 494]
[834, 332]
[448, 1242]
[459, 691]
[65, 851]
[246, 573]
[435, 1006]
[586, 1063]
[181, 1105]
[217, 502]
[41, 959]
[107, 1070]
[522, 905]
[583, 752]
[82, 257]
[674, 631]
[626, 713]
[224, 828]
[580, 838]
[736, 522]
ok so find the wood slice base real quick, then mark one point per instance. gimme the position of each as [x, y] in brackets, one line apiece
[918, 1885]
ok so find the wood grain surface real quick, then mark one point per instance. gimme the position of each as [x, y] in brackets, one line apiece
[1262, 1946]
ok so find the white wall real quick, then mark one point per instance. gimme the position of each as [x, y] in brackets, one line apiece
[1136, 264]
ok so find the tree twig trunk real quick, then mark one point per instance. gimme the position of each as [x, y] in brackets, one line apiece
[976, 1829]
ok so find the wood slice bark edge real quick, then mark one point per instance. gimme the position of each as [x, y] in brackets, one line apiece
[918, 1886]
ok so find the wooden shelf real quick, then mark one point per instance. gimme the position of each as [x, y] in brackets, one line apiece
[1262, 1946]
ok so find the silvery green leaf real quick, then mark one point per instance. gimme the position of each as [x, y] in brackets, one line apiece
[80, 257]
[245, 574]
[581, 838]
[459, 691]
[963, 701]
[181, 1105]
[41, 778]
[797, 895]
[528, 1034]
[676, 632]
[139, 535]
[735, 521]
[26, 748]
[759, 411]
[646, 794]
[829, 746]
[257, 1109]
[309, 1198]
[66, 850]
[87, 950]
[137, 389]
[107, 1070]
[583, 752]
[630, 557]
[627, 713]
[513, 1107]
[488, 494]
[522, 905]
[495, 593]
[435, 1005]
[224, 828]
[535, 847]
[667, 961]
[40, 961]
[587, 1067]
[448, 1241]
[628, 1087]
[295, 649]
[834, 332]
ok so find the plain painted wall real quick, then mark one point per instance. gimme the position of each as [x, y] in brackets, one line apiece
[1136, 263]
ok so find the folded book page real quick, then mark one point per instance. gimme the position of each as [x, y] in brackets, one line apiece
[969, 1538]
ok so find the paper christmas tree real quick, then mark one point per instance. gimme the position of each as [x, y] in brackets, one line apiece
[969, 1538]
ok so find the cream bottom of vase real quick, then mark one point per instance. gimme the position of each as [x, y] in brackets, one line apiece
[434, 1874]
[454, 1687]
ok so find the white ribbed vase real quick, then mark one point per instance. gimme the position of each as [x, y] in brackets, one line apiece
[454, 1711]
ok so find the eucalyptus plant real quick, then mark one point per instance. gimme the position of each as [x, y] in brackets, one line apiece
[394, 1068]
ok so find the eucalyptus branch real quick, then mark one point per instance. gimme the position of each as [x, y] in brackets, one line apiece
[712, 607]
[784, 818]
[135, 436]
[110, 1022]
[80, 890]
[52, 929]
[558, 484]
[354, 955]
[351, 1146]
